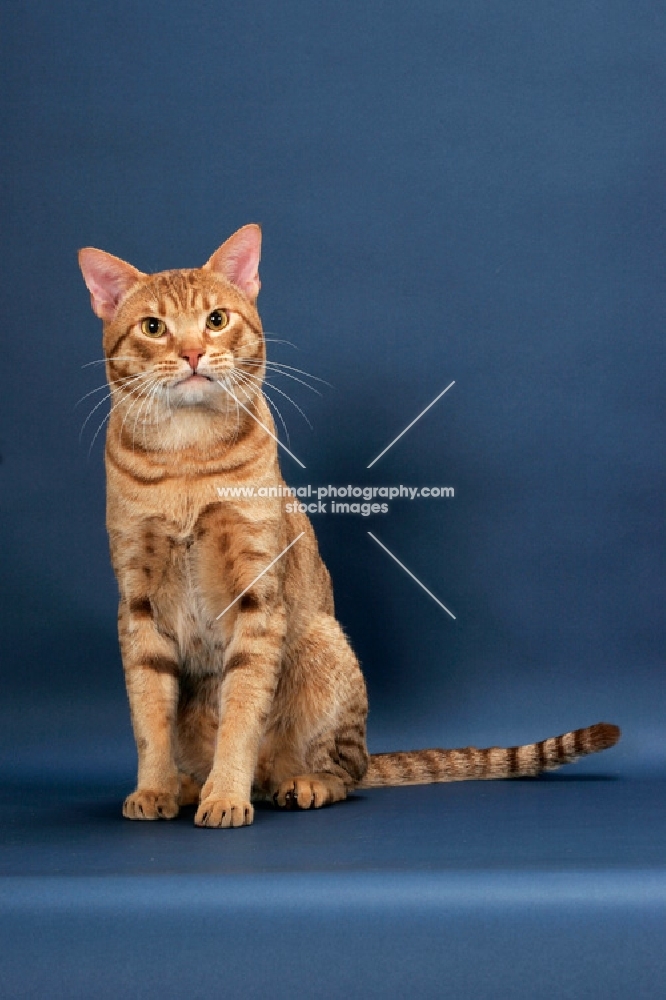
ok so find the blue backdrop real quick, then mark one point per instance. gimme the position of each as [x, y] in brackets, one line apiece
[448, 191]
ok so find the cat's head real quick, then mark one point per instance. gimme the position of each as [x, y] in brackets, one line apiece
[181, 340]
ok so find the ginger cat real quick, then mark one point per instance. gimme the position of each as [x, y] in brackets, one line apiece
[240, 685]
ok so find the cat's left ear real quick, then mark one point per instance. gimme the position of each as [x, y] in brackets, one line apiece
[108, 279]
[237, 260]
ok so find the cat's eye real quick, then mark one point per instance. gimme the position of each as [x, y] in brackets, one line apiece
[153, 327]
[217, 320]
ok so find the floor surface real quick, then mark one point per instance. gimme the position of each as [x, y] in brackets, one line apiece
[503, 889]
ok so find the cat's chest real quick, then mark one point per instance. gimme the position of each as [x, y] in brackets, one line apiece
[191, 554]
[195, 578]
[185, 611]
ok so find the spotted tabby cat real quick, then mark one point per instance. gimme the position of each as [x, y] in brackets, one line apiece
[241, 684]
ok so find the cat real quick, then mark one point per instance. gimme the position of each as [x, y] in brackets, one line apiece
[241, 683]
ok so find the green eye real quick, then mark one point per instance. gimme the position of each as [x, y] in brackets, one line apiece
[153, 327]
[217, 320]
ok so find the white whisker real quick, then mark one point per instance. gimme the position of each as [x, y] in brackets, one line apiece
[282, 393]
[145, 387]
[257, 389]
[278, 364]
[270, 339]
[102, 361]
[270, 433]
[96, 407]
[150, 399]
[126, 378]
[106, 417]
[276, 370]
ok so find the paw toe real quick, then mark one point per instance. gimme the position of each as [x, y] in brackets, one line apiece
[302, 793]
[148, 805]
[224, 813]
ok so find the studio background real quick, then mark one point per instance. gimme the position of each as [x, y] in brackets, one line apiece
[448, 191]
[470, 192]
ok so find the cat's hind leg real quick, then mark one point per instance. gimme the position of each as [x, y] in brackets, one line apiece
[327, 707]
[327, 776]
[334, 764]
[310, 791]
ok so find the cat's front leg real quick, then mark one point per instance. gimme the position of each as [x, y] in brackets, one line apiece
[251, 669]
[151, 677]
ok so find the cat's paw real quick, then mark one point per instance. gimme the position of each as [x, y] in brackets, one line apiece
[224, 812]
[309, 792]
[144, 804]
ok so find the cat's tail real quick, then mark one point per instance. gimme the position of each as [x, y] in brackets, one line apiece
[422, 767]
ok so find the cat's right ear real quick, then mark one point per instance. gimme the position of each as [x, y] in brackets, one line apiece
[108, 279]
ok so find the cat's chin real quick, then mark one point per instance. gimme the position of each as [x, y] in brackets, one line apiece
[195, 391]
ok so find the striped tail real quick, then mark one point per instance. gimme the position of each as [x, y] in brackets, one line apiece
[422, 767]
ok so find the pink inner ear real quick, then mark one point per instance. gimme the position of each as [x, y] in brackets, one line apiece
[237, 260]
[108, 279]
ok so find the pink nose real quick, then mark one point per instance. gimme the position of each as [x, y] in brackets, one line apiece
[193, 358]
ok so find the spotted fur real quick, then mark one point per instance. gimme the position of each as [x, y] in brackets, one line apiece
[241, 685]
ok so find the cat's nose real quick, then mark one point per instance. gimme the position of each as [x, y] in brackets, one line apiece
[193, 358]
